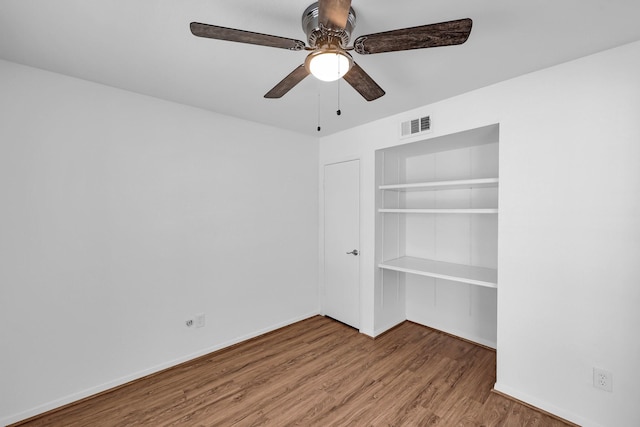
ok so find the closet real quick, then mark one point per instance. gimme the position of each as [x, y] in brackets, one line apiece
[437, 231]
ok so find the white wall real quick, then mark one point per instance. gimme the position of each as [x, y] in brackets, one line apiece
[121, 216]
[569, 233]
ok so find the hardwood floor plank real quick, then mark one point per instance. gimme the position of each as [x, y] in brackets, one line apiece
[317, 372]
[495, 411]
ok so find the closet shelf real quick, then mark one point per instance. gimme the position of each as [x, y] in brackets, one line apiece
[422, 211]
[473, 275]
[443, 185]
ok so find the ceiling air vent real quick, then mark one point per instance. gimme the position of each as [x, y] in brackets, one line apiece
[415, 126]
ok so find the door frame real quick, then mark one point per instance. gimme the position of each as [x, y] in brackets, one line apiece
[321, 235]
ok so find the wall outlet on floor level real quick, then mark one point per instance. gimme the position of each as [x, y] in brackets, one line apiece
[602, 379]
[189, 323]
[199, 320]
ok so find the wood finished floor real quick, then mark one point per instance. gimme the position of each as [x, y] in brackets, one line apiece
[317, 372]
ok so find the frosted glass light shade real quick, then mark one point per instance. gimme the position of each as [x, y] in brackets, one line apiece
[329, 65]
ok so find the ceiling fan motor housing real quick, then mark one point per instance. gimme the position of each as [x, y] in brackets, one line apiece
[320, 36]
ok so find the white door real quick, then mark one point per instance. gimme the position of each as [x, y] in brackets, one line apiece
[342, 242]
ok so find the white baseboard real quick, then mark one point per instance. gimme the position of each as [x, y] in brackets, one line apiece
[545, 406]
[461, 334]
[385, 328]
[57, 403]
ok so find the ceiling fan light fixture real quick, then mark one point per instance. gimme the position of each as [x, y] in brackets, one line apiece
[329, 65]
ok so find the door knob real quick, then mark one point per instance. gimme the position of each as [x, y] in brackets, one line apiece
[353, 252]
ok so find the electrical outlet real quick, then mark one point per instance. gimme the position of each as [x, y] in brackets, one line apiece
[189, 323]
[199, 320]
[602, 379]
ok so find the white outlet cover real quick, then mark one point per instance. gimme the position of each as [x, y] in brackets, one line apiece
[602, 379]
[200, 320]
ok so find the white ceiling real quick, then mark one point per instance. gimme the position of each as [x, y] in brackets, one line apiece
[145, 46]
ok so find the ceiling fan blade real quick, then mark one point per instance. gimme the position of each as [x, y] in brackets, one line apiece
[433, 35]
[295, 77]
[361, 82]
[242, 36]
[334, 13]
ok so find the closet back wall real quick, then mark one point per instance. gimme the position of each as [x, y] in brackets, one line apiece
[123, 215]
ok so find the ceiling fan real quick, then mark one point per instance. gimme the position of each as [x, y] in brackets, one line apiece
[328, 25]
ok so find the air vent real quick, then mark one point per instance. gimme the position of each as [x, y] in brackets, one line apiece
[415, 126]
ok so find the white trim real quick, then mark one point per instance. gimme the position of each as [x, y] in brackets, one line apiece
[460, 334]
[544, 405]
[385, 328]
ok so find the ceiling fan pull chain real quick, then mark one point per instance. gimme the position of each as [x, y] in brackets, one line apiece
[338, 112]
[319, 112]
